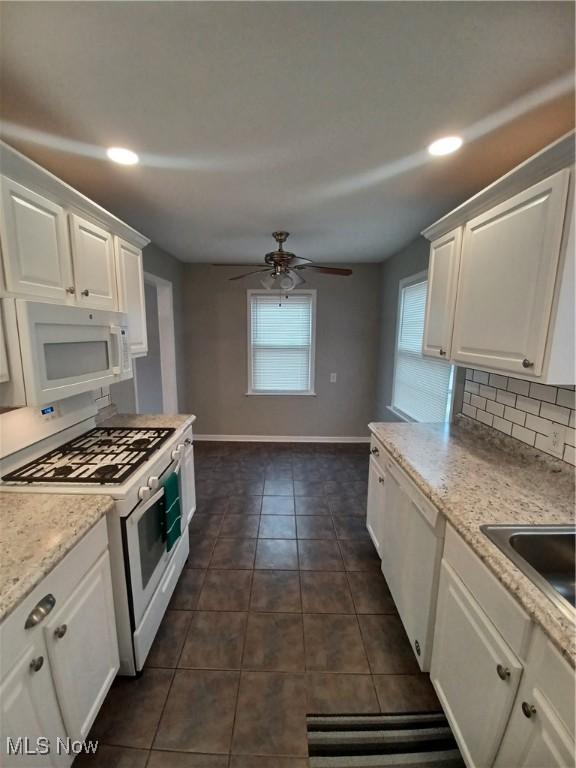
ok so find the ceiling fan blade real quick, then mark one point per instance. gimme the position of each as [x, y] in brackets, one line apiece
[235, 265]
[342, 271]
[247, 274]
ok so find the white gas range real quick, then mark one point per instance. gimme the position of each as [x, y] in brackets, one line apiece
[129, 464]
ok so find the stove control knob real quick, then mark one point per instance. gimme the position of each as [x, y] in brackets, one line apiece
[153, 482]
[177, 453]
[144, 493]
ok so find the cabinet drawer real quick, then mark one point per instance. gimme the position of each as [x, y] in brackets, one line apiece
[59, 583]
[509, 618]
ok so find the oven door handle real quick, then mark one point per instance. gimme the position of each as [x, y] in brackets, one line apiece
[141, 508]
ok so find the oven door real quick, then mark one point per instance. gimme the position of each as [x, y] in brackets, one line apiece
[69, 350]
[147, 558]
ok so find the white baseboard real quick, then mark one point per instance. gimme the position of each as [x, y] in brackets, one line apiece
[280, 439]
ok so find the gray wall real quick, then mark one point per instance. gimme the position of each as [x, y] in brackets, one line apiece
[347, 337]
[409, 261]
[162, 264]
[148, 368]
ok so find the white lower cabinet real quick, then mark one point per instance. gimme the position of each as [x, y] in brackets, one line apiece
[58, 663]
[473, 670]
[376, 503]
[30, 712]
[83, 649]
[540, 733]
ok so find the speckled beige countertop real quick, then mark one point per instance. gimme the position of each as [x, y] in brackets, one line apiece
[475, 476]
[37, 530]
[141, 421]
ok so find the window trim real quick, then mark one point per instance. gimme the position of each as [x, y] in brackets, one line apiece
[404, 283]
[280, 393]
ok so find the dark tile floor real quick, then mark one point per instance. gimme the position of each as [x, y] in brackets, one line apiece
[281, 610]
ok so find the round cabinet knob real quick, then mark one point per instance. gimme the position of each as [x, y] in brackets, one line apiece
[380, 479]
[36, 664]
[527, 364]
[442, 352]
[153, 482]
[374, 451]
[503, 672]
[85, 292]
[70, 289]
[60, 631]
[528, 709]
[144, 493]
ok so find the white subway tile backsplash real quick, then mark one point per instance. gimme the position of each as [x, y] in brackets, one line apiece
[500, 382]
[496, 408]
[526, 410]
[555, 413]
[538, 424]
[521, 433]
[488, 392]
[570, 454]
[506, 397]
[478, 402]
[502, 425]
[543, 392]
[519, 386]
[566, 398]
[528, 404]
[481, 377]
[485, 418]
[518, 417]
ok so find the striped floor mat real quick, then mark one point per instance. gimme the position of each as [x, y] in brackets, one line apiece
[382, 741]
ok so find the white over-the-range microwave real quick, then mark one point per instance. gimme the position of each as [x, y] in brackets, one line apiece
[51, 352]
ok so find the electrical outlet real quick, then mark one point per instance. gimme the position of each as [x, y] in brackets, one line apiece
[333, 378]
[554, 442]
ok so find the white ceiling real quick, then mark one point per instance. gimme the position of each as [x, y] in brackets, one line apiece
[305, 116]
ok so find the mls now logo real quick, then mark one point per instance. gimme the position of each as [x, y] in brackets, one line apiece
[23, 745]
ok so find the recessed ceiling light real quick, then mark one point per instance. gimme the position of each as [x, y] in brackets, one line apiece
[445, 145]
[122, 156]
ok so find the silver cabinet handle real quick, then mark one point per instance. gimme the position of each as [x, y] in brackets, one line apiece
[503, 672]
[528, 709]
[71, 289]
[60, 631]
[374, 451]
[85, 292]
[527, 364]
[36, 664]
[40, 611]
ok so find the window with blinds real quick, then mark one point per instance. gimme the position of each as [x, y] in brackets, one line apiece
[422, 386]
[281, 338]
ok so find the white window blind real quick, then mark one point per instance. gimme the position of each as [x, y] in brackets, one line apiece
[422, 387]
[281, 339]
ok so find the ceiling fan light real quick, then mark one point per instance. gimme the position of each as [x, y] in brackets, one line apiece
[268, 281]
[287, 282]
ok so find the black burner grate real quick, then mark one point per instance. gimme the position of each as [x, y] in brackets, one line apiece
[105, 456]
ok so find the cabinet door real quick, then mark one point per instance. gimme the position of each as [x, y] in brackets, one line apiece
[131, 294]
[441, 299]
[35, 244]
[474, 672]
[4, 368]
[30, 712]
[83, 649]
[507, 275]
[93, 258]
[376, 503]
[187, 484]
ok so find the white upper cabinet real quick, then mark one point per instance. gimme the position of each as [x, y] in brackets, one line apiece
[93, 257]
[131, 294]
[508, 271]
[35, 247]
[441, 299]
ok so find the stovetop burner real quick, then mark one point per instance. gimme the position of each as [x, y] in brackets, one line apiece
[102, 455]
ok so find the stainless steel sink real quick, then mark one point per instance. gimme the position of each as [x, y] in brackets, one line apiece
[546, 554]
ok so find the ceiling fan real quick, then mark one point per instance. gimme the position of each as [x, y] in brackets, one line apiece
[283, 268]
